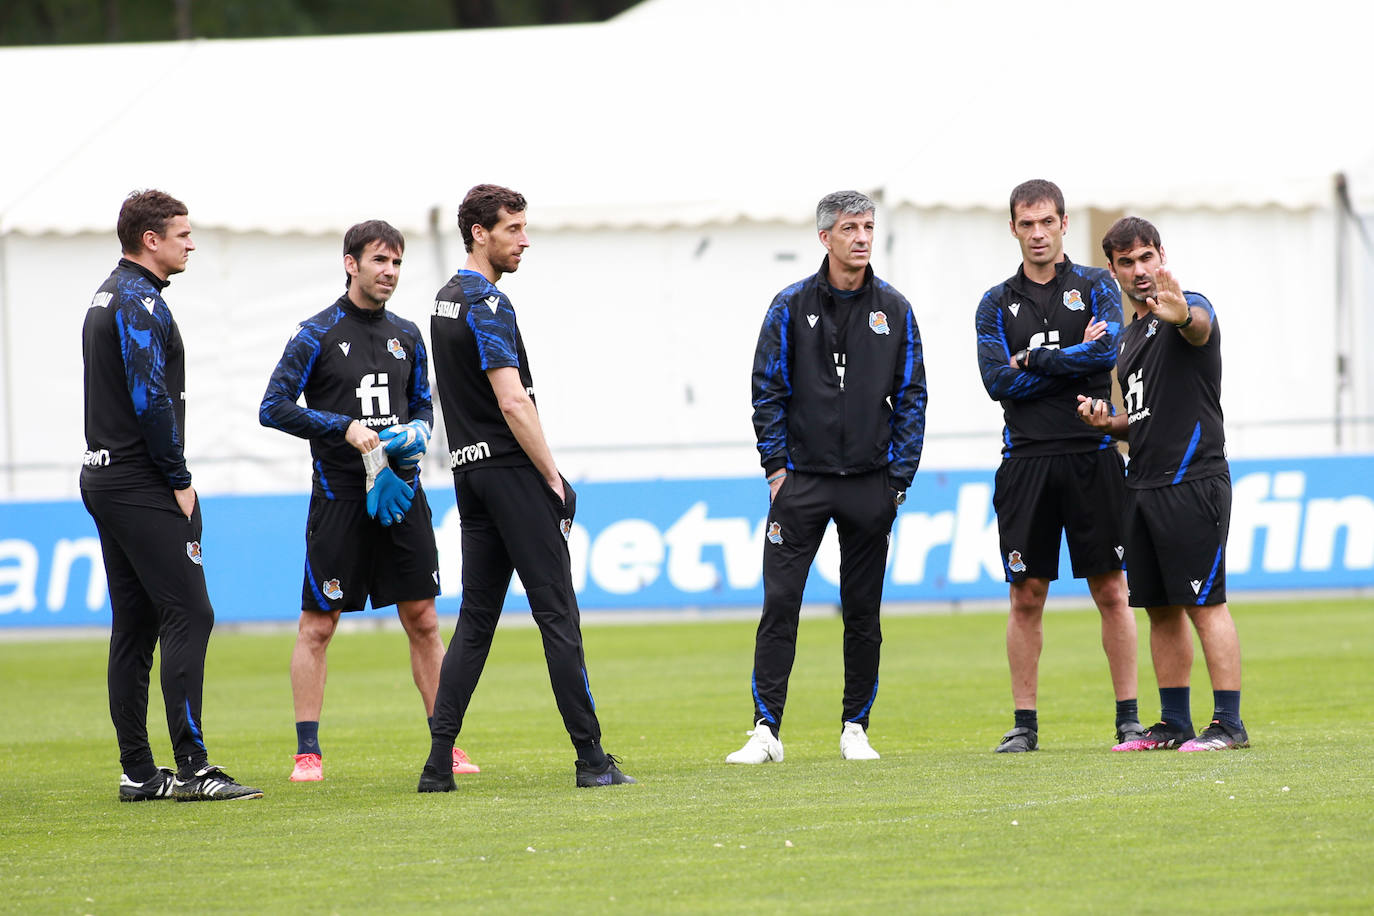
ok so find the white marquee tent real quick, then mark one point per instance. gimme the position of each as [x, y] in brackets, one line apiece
[672, 158]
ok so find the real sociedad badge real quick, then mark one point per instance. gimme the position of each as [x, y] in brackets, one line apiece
[1154, 326]
[193, 551]
[1073, 300]
[565, 526]
[332, 590]
[877, 322]
[775, 532]
[393, 346]
[1014, 562]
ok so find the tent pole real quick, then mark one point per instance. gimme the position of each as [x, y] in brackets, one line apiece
[6, 337]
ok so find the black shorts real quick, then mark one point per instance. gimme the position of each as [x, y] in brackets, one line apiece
[1079, 496]
[1176, 543]
[350, 556]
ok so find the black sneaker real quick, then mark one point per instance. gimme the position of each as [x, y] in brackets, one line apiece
[1218, 737]
[210, 783]
[435, 782]
[155, 787]
[607, 775]
[1129, 731]
[1158, 737]
[1018, 740]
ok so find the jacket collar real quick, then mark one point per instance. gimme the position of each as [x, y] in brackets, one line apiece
[823, 276]
[349, 308]
[158, 283]
[1022, 282]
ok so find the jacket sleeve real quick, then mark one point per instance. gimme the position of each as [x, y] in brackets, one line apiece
[420, 406]
[1002, 380]
[279, 409]
[143, 335]
[908, 407]
[1087, 358]
[772, 387]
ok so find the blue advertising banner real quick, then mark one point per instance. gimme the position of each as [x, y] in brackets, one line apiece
[1296, 524]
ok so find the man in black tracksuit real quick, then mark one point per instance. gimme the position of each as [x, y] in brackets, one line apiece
[839, 412]
[135, 484]
[516, 509]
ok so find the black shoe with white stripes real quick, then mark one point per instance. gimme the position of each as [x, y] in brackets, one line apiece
[158, 786]
[210, 783]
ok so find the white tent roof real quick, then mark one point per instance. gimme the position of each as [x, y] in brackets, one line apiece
[700, 111]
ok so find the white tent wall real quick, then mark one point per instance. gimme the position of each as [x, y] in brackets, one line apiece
[672, 158]
[642, 340]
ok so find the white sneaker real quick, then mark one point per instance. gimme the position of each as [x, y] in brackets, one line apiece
[854, 743]
[760, 748]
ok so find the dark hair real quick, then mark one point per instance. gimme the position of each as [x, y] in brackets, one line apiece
[363, 234]
[144, 210]
[1126, 232]
[1034, 191]
[482, 206]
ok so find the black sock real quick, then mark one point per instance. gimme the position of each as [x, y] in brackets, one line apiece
[308, 738]
[192, 765]
[142, 772]
[1026, 718]
[1174, 707]
[592, 755]
[1226, 707]
[1127, 711]
[440, 756]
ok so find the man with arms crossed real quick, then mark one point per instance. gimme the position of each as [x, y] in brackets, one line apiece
[839, 412]
[135, 484]
[369, 532]
[1178, 488]
[516, 509]
[1045, 334]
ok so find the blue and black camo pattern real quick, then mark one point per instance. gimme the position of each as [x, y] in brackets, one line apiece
[143, 335]
[492, 329]
[279, 408]
[327, 359]
[1040, 403]
[135, 379]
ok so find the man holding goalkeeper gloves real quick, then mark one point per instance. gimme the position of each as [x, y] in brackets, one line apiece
[369, 534]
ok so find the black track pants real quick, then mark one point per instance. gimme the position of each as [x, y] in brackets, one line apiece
[863, 511]
[158, 597]
[513, 522]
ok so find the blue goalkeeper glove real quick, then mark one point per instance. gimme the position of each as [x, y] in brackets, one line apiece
[406, 442]
[388, 496]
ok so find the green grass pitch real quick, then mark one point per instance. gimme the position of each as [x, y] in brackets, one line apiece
[938, 825]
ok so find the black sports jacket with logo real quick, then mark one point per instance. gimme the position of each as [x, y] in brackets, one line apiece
[135, 381]
[351, 364]
[1040, 403]
[811, 416]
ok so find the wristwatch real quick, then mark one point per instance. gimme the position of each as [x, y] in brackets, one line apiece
[898, 496]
